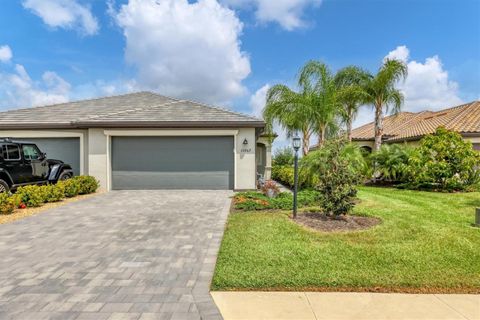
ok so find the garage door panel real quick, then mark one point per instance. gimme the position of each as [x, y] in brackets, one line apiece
[172, 163]
[64, 149]
[140, 180]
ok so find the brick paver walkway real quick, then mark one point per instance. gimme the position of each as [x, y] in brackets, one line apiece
[120, 255]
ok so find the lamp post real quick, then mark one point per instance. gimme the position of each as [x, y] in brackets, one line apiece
[296, 145]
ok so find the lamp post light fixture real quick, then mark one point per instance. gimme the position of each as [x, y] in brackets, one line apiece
[296, 145]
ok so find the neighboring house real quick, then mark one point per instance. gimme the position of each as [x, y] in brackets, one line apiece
[147, 141]
[410, 127]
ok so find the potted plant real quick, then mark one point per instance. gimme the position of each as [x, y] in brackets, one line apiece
[270, 189]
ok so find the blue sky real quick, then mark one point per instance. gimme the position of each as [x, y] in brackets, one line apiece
[228, 52]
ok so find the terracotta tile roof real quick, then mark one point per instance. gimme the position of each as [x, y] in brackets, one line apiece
[410, 126]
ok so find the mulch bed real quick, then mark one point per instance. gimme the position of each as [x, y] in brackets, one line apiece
[27, 212]
[322, 222]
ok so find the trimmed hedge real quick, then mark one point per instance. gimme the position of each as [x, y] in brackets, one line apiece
[285, 175]
[36, 195]
[252, 200]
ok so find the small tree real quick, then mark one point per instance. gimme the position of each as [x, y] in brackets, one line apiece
[283, 157]
[445, 161]
[337, 179]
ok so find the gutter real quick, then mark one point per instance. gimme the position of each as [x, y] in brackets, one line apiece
[135, 124]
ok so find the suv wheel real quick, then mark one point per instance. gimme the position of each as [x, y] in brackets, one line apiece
[4, 186]
[64, 176]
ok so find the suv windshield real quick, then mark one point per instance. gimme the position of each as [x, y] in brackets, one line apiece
[31, 152]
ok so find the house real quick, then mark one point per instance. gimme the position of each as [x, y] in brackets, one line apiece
[148, 141]
[410, 127]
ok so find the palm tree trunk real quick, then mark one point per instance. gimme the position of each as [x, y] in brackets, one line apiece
[349, 127]
[321, 137]
[306, 143]
[378, 126]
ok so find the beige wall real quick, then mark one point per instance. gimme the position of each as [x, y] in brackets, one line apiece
[245, 164]
[98, 157]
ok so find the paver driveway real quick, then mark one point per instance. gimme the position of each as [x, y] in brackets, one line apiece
[120, 255]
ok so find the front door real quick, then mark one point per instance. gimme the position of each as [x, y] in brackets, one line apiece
[37, 163]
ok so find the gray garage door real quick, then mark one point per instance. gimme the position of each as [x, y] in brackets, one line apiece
[172, 163]
[65, 149]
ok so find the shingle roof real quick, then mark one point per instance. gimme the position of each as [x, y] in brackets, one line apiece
[141, 109]
[410, 126]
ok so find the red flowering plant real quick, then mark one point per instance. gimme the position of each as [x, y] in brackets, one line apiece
[270, 189]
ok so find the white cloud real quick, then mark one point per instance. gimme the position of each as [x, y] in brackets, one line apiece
[257, 103]
[287, 13]
[17, 89]
[258, 100]
[427, 85]
[184, 49]
[5, 53]
[68, 14]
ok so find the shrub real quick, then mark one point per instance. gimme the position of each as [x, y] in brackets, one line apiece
[52, 192]
[86, 184]
[285, 175]
[270, 189]
[391, 162]
[444, 161]
[7, 204]
[71, 187]
[31, 196]
[251, 201]
[283, 157]
[337, 179]
[284, 201]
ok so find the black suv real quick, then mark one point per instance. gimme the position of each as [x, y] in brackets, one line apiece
[22, 163]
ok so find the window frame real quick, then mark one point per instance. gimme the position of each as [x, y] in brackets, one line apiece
[8, 155]
[34, 147]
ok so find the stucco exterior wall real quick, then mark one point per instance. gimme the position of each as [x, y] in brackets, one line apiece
[97, 156]
[245, 164]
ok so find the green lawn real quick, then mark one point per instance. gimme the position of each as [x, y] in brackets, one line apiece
[425, 243]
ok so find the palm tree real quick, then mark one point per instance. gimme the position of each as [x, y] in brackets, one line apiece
[317, 77]
[380, 91]
[350, 82]
[293, 111]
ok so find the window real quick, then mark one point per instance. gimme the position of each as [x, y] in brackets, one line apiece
[10, 152]
[31, 152]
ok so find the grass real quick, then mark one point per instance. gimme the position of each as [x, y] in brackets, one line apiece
[426, 243]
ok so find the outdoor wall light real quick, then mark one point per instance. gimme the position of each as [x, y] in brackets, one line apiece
[245, 142]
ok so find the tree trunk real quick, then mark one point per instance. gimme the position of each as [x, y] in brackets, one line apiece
[349, 128]
[378, 126]
[306, 144]
[321, 137]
